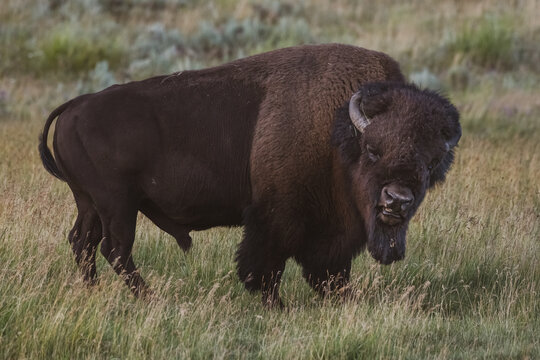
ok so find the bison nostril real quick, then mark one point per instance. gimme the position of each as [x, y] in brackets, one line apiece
[388, 197]
[397, 198]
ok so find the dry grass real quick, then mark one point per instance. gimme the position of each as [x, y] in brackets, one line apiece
[468, 287]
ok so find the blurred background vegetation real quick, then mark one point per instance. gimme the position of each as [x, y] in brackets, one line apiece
[85, 45]
[469, 285]
[455, 41]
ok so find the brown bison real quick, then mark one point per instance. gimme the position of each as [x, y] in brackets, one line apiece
[319, 151]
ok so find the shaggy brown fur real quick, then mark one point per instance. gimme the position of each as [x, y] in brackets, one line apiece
[264, 142]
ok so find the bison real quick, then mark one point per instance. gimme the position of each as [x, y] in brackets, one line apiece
[318, 151]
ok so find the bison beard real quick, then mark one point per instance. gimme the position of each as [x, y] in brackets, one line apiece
[387, 243]
[297, 145]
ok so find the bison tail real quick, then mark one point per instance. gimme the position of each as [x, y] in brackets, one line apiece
[44, 152]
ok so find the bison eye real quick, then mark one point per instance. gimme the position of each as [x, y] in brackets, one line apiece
[372, 153]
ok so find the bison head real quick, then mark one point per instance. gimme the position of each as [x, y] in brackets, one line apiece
[396, 141]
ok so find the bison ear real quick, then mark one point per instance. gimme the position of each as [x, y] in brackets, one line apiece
[452, 134]
[439, 173]
[452, 142]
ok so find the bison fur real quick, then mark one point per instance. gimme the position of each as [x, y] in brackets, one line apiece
[318, 151]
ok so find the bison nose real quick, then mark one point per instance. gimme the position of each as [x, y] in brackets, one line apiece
[397, 198]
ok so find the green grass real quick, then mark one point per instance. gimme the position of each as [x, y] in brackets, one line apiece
[487, 42]
[72, 50]
[468, 287]
[13, 47]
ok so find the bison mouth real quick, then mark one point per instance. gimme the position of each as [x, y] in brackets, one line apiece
[389, 217]
[395, 202]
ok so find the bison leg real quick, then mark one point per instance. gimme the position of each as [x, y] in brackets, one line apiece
[119, 219]
[179, 232]
[324, 277]
[260, 262]
[85, 236]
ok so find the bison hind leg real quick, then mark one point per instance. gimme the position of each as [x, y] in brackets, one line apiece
[118, 214]
[85, 236]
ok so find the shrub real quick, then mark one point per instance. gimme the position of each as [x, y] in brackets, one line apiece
[426, 80]
[13, 47]
[236, 38]
[97, 79]
[156, 38]
[3, 103]
[224, 40]
[289, 31]
[70, 49]
[124, 7]
[488, 42]
[156, 50]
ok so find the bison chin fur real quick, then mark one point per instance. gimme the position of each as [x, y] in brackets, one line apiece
[386, 244]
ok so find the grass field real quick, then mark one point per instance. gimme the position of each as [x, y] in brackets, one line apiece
[470, 283]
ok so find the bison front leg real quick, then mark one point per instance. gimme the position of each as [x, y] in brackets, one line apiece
[260, 269]
[325, 276]
[261, 260]
[270, 282]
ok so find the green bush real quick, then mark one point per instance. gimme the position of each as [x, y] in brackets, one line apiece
[3, 103]
[97, 79]
[156, 50]
[239, 37]
[69, 49]
[488, 42]
[13, 47]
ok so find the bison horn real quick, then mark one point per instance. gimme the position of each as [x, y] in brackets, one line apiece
[358, 117]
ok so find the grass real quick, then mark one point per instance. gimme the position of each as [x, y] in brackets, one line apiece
[69, 49]
[468, 287]
[486, 42]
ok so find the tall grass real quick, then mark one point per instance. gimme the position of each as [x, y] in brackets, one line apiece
[68, 48]
[486, 42]
[470, 282]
